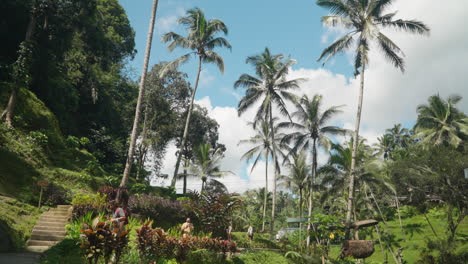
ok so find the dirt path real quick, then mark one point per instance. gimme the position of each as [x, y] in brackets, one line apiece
[19, 258]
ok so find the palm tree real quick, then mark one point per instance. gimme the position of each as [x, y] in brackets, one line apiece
[201, 40]
[136, 121]
[385, 146]
[297, 179]
[206, 164]
[271, 86]
[263, 148]
[440, 122]
[400, 136]
[365, 20]
[311, 132]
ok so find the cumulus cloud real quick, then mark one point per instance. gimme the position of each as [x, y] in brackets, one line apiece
[169, 23]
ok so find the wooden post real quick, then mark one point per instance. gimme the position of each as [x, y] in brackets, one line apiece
[43, 184]
[40, 198]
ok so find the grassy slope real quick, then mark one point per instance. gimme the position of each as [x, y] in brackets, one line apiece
[17, 219]
[25, 159]
[412, 243]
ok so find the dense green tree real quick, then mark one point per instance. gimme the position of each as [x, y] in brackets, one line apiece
[271, 88]
[202, 40]
[440, 122]
[365, 21]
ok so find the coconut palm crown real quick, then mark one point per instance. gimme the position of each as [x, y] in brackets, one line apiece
[440, 122]
[206, 164]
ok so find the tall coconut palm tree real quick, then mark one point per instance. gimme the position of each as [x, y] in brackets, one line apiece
[297, 179]
[312, 131]
[136, 121]
[400, 136]
[365, 21]
[206, 164]
[385, 146]
[440, 122]
[263, 147]
[271, 88]
[201, 40]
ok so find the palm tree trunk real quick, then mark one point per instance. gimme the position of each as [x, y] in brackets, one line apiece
[311, 192]
[8, 113]
[187, 122]
[185, 177]
[265, 199]
[133, 137]
[142, 148]
[355, 146]
[273, 204]
[300, 218]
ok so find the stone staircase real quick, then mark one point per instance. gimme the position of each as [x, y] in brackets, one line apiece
[49, 229]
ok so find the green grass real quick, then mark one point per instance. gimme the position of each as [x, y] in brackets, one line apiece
[260, 241]
[417, 232]
[17, 220]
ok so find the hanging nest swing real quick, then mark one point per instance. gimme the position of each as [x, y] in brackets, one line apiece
[359, 249]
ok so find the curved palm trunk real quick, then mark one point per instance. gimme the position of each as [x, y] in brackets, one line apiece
[8, 113]
[133, 137]
[187, 122]
[265, 199]
[300, 217]
[273, 204]
[311, 192]
[349, 209]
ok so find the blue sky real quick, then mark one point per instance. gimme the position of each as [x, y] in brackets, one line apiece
[293, 29]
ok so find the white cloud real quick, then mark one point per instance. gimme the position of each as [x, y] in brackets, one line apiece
[168, 23]
[206, 78]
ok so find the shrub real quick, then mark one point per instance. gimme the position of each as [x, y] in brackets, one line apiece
[165, 212]
[89, 203]
[408, 211]
[39, 138]
[214, 212]
[103, 241]
[154, 244]
[111, 193]
[55, 194]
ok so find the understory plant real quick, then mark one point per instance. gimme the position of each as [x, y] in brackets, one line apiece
[155, 244]
[103, 241]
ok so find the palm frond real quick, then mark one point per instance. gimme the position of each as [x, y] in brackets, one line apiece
[213, 57]
[173, 65]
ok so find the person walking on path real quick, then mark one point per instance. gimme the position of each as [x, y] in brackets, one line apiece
[229, 231]
[119, 216]
[250, 233]
[187, 228]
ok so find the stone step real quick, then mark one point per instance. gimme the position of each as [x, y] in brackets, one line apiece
[38, 249]
[52, 223]
[49, 213]
[41, 243]
[48, 232]
[48, 218]
[49, 228]
[63, 206]
[47, 237]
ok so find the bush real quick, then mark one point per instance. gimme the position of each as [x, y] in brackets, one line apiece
[66, 251]
[164, 212]
[408, 211]
[214, 212]
[103, 241]
[111, 193]
[94, 204]
[55, 195]
[154, 244]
